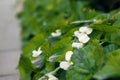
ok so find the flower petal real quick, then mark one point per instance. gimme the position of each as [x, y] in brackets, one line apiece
[68, 55]
[84, 38]
[57, 33]
[36, 53]
[64, 65]
[71, 63]
[39, 49]
[77, 34]
[85, 30]
[77, 45]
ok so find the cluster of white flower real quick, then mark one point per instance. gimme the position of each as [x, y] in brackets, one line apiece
[36, 53]
[67, 63]
[57, 33]
[82, 35]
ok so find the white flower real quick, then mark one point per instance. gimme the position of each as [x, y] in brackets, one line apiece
[77, 34]
[85, 30]
[68, 55]
[77, 45]
[66, 64]
[36, 53]
[84, 38]
[51, 77]
[57, 33]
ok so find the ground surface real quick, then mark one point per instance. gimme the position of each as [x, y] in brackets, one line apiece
[9, 41]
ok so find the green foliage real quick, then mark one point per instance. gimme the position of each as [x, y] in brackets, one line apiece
[98, 59]
[87, 61]
[25, 66]
[113, 37]
[111, 69]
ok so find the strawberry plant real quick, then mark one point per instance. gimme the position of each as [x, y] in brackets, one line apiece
[69, 40]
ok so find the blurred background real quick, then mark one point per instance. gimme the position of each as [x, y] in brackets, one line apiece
[9, 40]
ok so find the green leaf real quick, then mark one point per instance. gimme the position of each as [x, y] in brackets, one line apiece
[34, 44]
[50, 66]
[25, 67]
[73, 74]
[113, 37]
[110, 48]
[60, 46]
[104, 27]
[46, 49]
[37, 75]
[86, 61]
[111, 68]
[62, 56]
